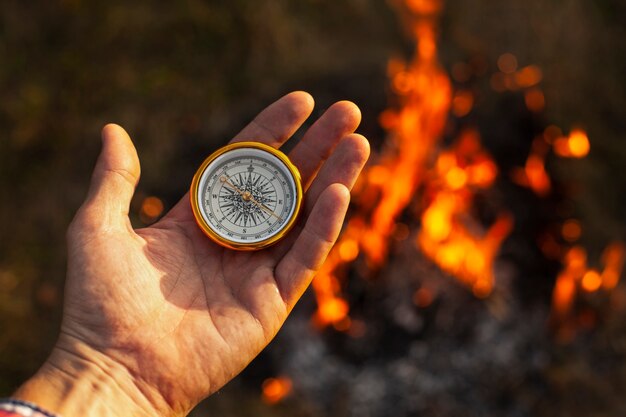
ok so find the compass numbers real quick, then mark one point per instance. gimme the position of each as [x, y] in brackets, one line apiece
[247, 196]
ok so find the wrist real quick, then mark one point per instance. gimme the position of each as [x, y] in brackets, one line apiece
[80, 381]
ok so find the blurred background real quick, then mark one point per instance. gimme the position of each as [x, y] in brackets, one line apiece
[479, 271]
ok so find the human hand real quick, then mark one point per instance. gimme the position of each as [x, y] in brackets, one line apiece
[156, 319]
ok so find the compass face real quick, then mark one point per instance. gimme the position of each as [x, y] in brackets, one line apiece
[246, 195]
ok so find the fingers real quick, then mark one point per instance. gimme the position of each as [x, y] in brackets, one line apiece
[280, 120]
[274, 125]
[113, 180]
[298, 266]
[342, 167]
[341, 119]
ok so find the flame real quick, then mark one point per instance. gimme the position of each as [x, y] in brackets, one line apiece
[576, 145]
[507, 63]
[387, 187]
[528, 76]
[423, 298]
[444, 180]
[462, 103]
[613, 260]
[534, 100]
[571, 230]
[563, 294]
[534, 175]
[412, 165]
[151, 209]
[448, 236]
[276, 389]
[591, 281]
[576, 277]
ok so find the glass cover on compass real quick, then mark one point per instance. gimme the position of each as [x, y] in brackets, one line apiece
[247, 195]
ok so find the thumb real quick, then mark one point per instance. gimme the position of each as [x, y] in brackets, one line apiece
[113, 180]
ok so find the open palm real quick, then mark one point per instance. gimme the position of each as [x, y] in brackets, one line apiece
[177, 313]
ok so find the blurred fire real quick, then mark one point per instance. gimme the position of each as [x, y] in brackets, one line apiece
[151, 209]
[386, 188]
[576, 279]
[443, 181]
[449, 236]
[534, 175]
[446, 235]
[276, 389]
[576, 145]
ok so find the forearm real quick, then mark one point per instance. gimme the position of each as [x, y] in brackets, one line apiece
[84, 383]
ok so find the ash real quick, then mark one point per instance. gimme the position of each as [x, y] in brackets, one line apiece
[457, 356]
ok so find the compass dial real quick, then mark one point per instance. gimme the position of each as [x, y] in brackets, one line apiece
[246, 195]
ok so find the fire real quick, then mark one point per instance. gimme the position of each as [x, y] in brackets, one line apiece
[591, 281]
[276, 389]
[571, 230]
[423, 298]
[576, 277]
[507, 63]
[534, 100]
[443, 182]
[424, 93]
[613, 260]
[576, 145]
[151, 209]
[534, 175]
[448, 235]
[528, 76]
[511, 79]
[462, 103]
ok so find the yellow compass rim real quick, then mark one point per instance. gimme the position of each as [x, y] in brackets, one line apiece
[208, 230]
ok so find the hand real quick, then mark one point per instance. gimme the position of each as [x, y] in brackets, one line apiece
[157, 319]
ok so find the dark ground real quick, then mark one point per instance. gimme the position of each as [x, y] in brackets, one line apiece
[183, 77]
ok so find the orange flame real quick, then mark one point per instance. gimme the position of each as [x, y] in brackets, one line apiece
[151, 209]
[576, 145]
[386, 188]
[571, 230]
[613, 260]
[534, 175]
[276, 389]
[446, 235]
[576, 275]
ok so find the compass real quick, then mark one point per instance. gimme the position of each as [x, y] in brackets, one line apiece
[246, 195]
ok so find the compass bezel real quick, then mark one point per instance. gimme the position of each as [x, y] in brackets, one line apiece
[207, 228]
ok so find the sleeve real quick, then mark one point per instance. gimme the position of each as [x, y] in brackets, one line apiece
[15, 408]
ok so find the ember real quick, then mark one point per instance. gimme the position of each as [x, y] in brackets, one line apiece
[151, 209]
[276, 389]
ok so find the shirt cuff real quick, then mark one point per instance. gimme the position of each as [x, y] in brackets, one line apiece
[16, 408]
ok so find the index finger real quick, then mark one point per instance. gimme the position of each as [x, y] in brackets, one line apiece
[274, 125]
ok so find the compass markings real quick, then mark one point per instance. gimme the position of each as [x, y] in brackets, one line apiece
[267, 191]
